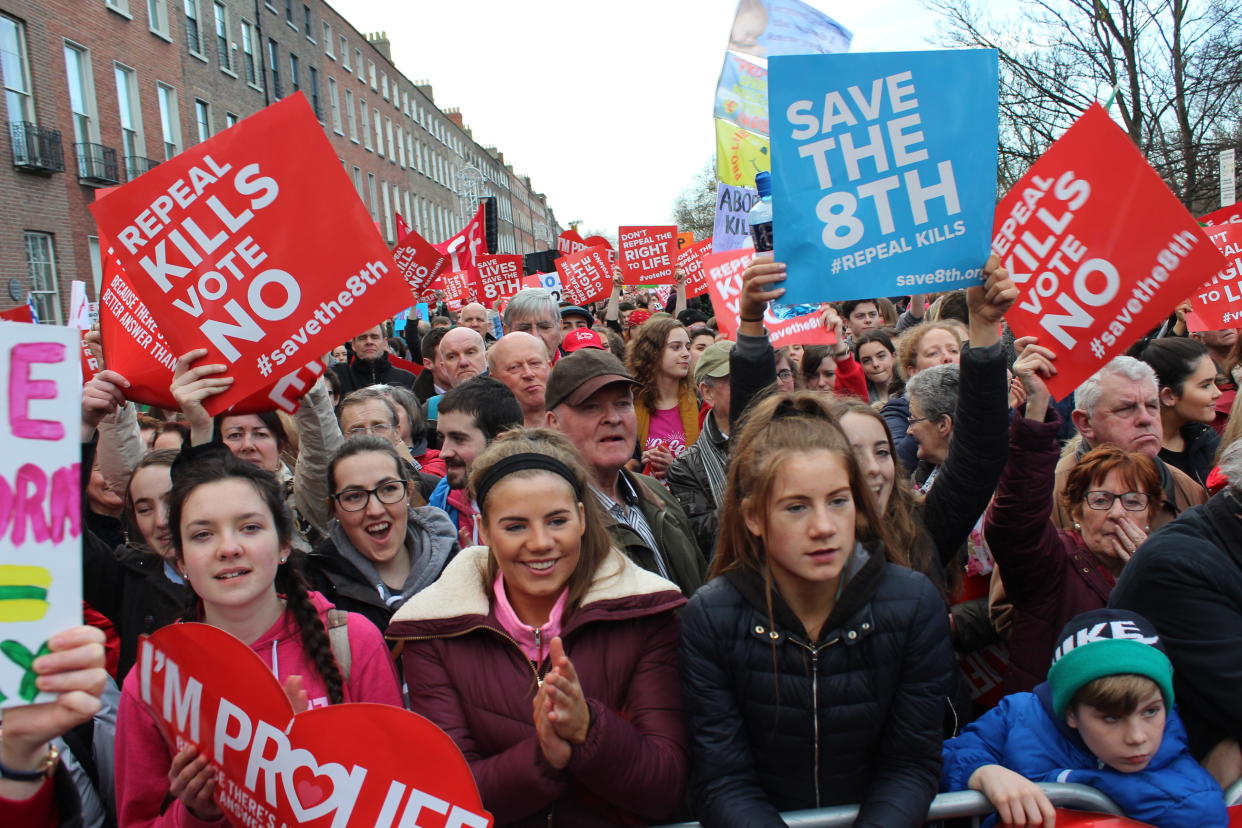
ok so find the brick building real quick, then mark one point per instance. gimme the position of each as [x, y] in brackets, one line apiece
[99, 91]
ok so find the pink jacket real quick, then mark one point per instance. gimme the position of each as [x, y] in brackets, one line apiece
[143, 757]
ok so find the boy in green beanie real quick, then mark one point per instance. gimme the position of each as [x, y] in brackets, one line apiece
[1104, 718]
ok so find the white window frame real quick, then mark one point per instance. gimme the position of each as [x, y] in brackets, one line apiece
[374, 196]
[170, 119]
[358, 64]
[157, 18]
[25, 92]
[121, 7]
[387, 212]
[366, 125]
[220, 20]
[371, 74]
[129, 104]
[202, 120]
[186, 5]
[92, 251]
[230, 119]
[379, 131]
[351, 115]
[90, 108]
[334, 106]
[48, 292]
[327, 39]
[342, 43]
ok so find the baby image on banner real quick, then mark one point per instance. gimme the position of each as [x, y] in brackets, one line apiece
[40, 499]
[883, 171]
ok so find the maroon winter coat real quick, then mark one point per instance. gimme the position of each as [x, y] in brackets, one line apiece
[469, 677]
[1049, 575]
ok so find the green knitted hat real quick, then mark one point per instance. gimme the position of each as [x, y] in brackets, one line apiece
[1103, 643]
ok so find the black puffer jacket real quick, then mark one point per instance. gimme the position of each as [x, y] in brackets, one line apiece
[361, 373]
[781, 724]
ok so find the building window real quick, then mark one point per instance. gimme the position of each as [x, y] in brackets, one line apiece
[16, 70]
[358, 180]
[351, 116]
[313, 79]
[358, 62]
[327, 39]
[92, 249]
[295, 77]
[41, 268]
[392, 148]
[289, 13]
[81, 94]
[379, 132]
[384, 84]
[193, 40]
[343, 47]
[157, 17]
[334, 104]
[366, 124]
[374, 196]
[372, 76]
[202, 119]
[248, 52]
[230, 119]
[274, 62]
[131, 119]
[120, 6]
[170, 119]
[306, 24]
[388, 234]
[222, 37]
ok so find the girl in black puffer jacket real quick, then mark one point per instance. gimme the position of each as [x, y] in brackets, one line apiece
[814, 672]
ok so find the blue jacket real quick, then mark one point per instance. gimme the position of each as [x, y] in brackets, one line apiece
[1023, 735]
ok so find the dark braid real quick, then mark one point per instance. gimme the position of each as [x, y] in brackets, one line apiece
[315, 641]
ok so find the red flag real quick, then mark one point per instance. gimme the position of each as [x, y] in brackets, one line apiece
[1218, 303]
[402, 228]
[1101, 248]
[498, 277]
[419, 262]
[690, 260]
[205, 238]
[465, 246]
[585, 276]
[405, 364]
[21, 313]
[647, 254]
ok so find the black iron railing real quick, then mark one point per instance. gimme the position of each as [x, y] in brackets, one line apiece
[97, 164]
[36, 148]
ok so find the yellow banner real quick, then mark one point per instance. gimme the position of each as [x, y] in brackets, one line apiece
[740, 154]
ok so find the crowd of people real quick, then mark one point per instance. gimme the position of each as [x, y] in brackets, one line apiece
[639, 571]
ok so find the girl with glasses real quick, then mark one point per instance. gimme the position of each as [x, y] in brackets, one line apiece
[380, 550]
[1052, 574]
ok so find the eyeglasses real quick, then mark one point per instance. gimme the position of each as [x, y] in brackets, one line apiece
[784, 374]
[1130, 501]
[915, 420]
[353, 500]
[379, 430]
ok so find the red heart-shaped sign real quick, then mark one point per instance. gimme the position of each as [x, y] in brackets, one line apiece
[338, 766]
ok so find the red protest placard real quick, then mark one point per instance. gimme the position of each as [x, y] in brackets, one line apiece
[345, 764]
[569, 242]
[459, 289]
[497, 277]
[21, 313]
[597, 241]
[254, 245]
[1101, 249]
[418, 261]
[646, 254]
[690, 260]
[585, 276]
[723, 274]
[1225, 215]
[1218, 303]
[684, 240]
[465, 246]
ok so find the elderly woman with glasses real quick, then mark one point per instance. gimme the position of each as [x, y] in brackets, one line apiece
[379, 550]
[1052, 574]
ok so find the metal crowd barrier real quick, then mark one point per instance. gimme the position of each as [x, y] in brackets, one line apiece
[961, 804]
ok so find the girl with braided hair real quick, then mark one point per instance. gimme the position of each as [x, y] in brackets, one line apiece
[232, 537]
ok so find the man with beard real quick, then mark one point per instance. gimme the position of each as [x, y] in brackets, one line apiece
[470, 417]
[371, 365]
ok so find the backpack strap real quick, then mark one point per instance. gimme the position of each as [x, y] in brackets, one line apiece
[338, 635]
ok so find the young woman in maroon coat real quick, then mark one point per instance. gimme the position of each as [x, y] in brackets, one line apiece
[548, 656]
[1052, 574]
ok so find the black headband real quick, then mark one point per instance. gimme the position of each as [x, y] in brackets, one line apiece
[522, 462]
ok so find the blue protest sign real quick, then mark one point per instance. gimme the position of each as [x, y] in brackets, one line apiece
[420, 310]
[732, 204]
[883, 171]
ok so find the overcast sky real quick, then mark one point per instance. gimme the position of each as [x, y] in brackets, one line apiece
[607, 106]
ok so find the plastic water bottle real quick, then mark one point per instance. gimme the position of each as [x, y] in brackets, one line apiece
[760, 216]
